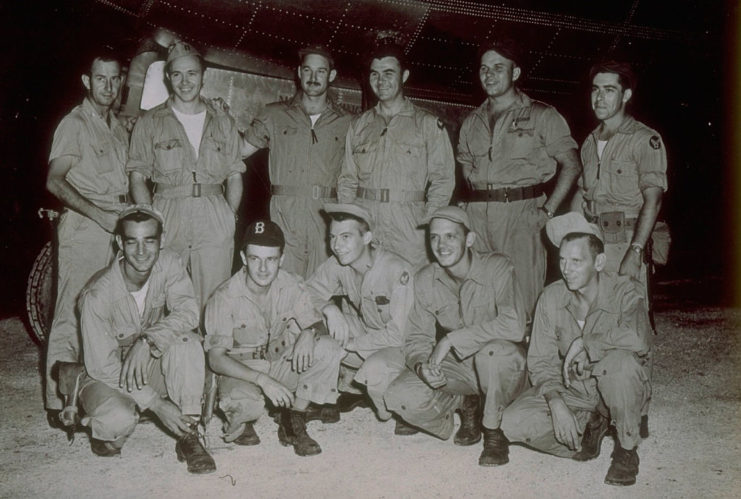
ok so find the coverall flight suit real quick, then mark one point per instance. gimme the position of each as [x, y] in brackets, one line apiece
[617, 338]
[305, 161]
[199, 224]
[262, 338]
[110, 324]
[401, 172]
[99, 175]
[633, 159]
[485, 321]
[381, 300]
[508, 165]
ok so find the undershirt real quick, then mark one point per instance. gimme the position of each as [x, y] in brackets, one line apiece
[193, 124]
[140, 296]
[313, 118]
[581, 323]
[600, 147]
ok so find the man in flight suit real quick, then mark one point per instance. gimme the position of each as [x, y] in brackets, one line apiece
[588, 358]
[263, 338]
[379, 289]
[399, 162]
[306, 138]
[87, 174]
[464, 336]
[509, 148]
[191, 153]
[137, 319]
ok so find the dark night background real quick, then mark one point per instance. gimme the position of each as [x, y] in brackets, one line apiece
[685, 96]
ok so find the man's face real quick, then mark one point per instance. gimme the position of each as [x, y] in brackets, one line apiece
[497, 74]
[608, 97]
[386, 78]
[262, 264]
[449, 241]
[578, 267]
[140, 244]
[103, 84]
[186, 78]
[346, 240]
[315, 75]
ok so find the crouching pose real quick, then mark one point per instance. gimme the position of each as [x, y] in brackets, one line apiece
[137, 318]
[597, 323]
[463, 338]
[262, 338]
[379, 290]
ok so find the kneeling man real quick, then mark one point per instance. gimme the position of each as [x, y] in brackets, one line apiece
[464, 337]
[379, 290]
[263, 338]
[597, 323]
[137, 318]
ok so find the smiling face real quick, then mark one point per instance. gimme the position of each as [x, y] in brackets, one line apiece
[103, 84]
[449, 242]
[186, 78]
[348, 241]
[497, 74]
[608, 96]
[579, 265]
[263, 263]
[387, 78]
[315, 75]
[140, 244]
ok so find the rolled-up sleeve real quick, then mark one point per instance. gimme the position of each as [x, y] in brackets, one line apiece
[258, 133]
[556, 133]
[141, 148]
[324, 283]
[650, 155]
[218, 321]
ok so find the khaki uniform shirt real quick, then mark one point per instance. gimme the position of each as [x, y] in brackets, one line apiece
[633, 159]
[617, 320]
[101, 152]
[485, 307]
[521, 148]
[235, 319]
[383, 297]
[110, 320]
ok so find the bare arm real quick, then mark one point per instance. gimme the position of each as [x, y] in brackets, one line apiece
[569, 172]
[234, 190]
[631, 263]
[245, 148]
[56, 183]
[139, 190]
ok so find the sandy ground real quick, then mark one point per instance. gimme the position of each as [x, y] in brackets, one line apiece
[694, 449]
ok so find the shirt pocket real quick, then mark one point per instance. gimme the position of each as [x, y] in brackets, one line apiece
[104, 157]
[623, 179]
[448, 317]
[213, 153]
[520, 141]
[365, 155]
[169, 155]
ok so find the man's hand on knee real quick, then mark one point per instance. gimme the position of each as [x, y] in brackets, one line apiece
[279, 395]
[303, 352]
[170, 416]
[432, 375]
[565, 425]
[135, 367]
[337, 324]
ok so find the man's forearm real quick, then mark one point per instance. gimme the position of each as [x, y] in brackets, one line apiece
[226, 366]
[234, 190]
[647, 216]
[139, 190]
[570, 170]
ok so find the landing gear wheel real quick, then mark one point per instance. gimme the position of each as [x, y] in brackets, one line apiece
[40, 294]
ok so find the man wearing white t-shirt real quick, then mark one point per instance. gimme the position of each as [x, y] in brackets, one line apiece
[191, 153]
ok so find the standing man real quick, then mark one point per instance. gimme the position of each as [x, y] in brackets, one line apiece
[464, 337]
[306, 137]
[379, 289]
[398, 160]
[624, 175]
[137, 320]
[191, 153]
[263, 338]
[87, 174]
[509, 149]
[588, 358]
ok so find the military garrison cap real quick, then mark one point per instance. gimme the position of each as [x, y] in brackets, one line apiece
[454, 214]
[142, 208]
[180, 49]
[350, 209]
[558, 227]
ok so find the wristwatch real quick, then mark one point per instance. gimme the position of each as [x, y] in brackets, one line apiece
[637, 248]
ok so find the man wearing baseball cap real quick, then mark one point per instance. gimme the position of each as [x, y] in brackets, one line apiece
[190, 151]
[597, 322]
[464, 337]
[137, 318]
[378, 286]
[306, 138]
[267, 341]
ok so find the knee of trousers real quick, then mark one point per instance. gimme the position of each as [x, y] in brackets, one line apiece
[620, 368]
[526, 419]
[186, 352]
[327, 351]
[241, 401]
[407, 393]
[113, 417]
[501, 355]
[382, 367]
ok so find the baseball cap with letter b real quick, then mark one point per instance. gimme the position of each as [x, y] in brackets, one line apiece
[264, 233]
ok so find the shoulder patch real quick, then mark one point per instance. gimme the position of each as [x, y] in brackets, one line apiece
[404, 279]
[655, 142]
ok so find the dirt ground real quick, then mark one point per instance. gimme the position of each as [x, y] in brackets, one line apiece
[694, 449]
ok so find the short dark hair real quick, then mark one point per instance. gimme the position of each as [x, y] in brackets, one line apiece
[102, 53]
[505, 47]
[318, 50]
[341, 217]
[595, 245]
[626, 76]
[388, 47]
[138, 217]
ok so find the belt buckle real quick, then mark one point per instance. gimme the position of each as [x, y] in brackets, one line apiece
[506, 194]
[196, 193]
[316, 192]
[384, 196]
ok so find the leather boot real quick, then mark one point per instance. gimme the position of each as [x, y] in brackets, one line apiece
[496, 448]
[248, 436]
[644, 426]
[591, 442]
[346, 402]
[403, 428]
[470, 431]
[624, 467]
[190, 449]
[327, 413]
[292, 431]
[104, 449]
